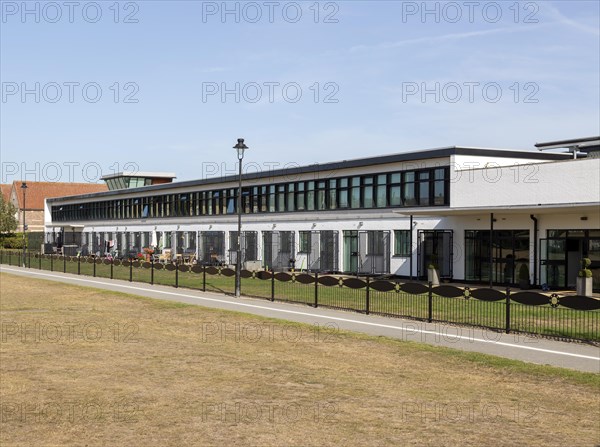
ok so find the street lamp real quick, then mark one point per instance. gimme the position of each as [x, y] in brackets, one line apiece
[240, 147]
[24, 188]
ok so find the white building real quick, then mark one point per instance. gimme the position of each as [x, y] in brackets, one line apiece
[392, 214]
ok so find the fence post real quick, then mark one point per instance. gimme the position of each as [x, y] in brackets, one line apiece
[130, 270]
[28, 258]
[112, 262]
[430, 303]
[94, 274]
[507, 310]
[51, 262]
[368, 290]
[272, 285]
[176, 274]
[151, 271]
[204, 278]
[1, 255]
[40, 260]
[9, 257]
[316, 289]
[79, 265]
[64, 262]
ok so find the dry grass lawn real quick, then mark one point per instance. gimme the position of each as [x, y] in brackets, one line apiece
[81, 366]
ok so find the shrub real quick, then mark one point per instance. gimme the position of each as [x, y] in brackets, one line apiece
[524, 272]
[585, 272]
[14, 241]
[433, 262]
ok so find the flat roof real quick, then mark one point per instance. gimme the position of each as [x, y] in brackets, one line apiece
[337, 165]
[546, 208]
[170, 175]
[579, 143]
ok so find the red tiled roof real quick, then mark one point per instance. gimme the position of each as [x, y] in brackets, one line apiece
[38, 191]
[5, 190]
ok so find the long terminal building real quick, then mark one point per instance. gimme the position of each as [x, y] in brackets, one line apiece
[477, 214]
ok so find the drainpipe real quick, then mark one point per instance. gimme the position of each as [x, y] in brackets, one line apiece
[535, 254]
[411, 247]
[491, 250]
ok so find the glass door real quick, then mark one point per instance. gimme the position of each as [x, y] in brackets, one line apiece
[435, 248]
[351, 251]
[593, 252]
[553, 262]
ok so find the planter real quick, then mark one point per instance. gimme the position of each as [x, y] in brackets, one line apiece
[584, 286]
[433, 276]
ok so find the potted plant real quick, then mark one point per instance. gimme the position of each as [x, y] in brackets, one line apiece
[433, 274]
[524, 276]
[148, 251]
[584, 278]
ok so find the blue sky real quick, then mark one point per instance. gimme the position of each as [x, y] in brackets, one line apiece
[361, 68]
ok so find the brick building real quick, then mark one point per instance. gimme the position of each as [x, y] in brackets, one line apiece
[35, 195]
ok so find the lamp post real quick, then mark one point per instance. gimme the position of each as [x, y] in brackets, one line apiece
[24, 188]
[240, 147]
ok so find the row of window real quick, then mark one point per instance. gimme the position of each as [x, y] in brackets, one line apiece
[426, 187]
[186, 240]
[127, 182]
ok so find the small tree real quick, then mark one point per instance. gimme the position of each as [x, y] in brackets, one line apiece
[585, 283]
[524, 272]
[8, 218]
[524, 276]
[585, 272]
[433, 262]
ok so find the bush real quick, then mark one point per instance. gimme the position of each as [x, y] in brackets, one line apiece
[524, 272]
[585, 272]
[14, 241]
[433, 262]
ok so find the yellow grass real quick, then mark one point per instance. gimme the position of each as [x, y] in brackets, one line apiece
[81, 366]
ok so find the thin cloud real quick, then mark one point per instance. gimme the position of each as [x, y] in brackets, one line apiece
[438, 39]
[556, 14]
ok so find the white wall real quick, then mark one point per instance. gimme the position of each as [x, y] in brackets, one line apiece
[564, 182]
[465, 162]
[322, 221]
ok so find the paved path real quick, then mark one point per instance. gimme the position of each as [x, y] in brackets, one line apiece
[578, 356]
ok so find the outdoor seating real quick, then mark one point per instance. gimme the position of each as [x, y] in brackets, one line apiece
[165, 256]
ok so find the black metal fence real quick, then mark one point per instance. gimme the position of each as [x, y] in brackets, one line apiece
[551, 315]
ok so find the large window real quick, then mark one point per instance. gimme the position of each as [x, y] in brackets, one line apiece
[402, 243]
[355, 193]
[300, 197]
[332, 194]
[310, 196]
[343, 199]
[281, 198]
[440, 196]
[408, 189]
[381, 200]
[290, 198]
[321, 195]
[395, 189]
[368, 192]
[510, 250]
[423, 187]
[304, 242]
